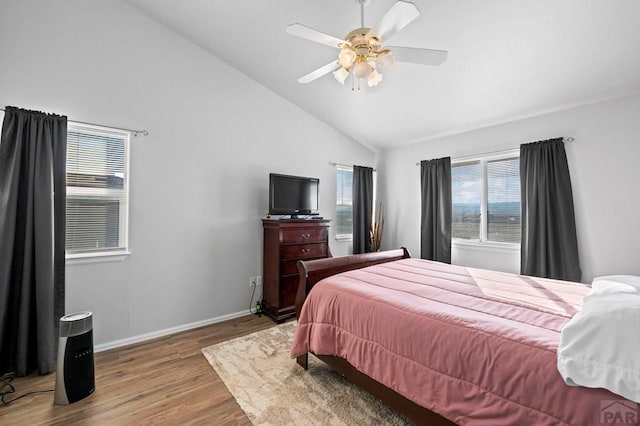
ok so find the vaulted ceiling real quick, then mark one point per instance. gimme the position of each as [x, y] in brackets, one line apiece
[508, 59]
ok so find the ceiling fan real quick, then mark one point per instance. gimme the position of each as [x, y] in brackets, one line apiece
[362, 54]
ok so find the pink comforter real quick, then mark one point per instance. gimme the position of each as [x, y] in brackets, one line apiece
[476, 346]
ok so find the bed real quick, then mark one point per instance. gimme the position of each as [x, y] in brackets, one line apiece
[445, 344]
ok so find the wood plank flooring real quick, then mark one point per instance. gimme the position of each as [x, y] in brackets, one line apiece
[163, 381]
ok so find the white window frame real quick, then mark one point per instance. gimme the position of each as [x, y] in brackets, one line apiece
[344, 237]
[484, 195]
[122, 195]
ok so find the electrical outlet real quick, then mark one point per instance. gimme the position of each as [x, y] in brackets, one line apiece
[259, 280]
[252, 281]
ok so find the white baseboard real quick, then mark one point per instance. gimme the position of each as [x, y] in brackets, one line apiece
[160, 333]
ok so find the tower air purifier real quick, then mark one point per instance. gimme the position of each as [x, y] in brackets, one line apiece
[75, 373]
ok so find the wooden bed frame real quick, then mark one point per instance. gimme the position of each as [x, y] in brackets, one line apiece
[315, 270]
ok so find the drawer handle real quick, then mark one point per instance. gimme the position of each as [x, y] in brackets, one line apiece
[306, 236]
[306, 250]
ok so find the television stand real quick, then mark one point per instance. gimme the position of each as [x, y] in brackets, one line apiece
[300, 217]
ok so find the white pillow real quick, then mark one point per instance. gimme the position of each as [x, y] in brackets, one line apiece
[616, 283]
[600, 346]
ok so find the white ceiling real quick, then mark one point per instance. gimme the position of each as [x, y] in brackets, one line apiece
[508, 59]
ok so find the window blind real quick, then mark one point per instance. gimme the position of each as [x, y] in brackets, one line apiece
[94, 160]
[344, 202]
[93, 224]
[96, 191]
[503, 200]
[466, 192]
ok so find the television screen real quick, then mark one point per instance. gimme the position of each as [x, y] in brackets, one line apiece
[293, 195]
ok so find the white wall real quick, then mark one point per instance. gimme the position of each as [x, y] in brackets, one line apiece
[198, 181]
[603, 162]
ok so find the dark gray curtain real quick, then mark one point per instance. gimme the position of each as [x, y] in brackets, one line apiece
[435, 223]
[362, 208]
[32, 236]
[549, 246]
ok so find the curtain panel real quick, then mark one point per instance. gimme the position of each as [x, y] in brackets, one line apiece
[362, 208]
[549, 246]
[32, 238]
[435, 222]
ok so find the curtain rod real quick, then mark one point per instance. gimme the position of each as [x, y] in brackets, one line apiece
[135, 133]
[344, 165]
[502, 151]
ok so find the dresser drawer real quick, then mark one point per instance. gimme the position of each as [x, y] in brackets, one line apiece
[289, 267]
[304, 251]
[288, 290]
[294, 236]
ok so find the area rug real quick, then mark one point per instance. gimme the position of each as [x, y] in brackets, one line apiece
[273, 390]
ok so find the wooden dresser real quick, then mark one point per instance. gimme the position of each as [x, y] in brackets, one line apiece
[285, 242]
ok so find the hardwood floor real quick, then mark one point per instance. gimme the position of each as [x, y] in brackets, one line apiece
[163, 381]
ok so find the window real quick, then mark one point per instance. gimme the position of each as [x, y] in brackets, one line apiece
[344, 203]
[466, 190]
[486, 199]
[503, 200]
[97, 191]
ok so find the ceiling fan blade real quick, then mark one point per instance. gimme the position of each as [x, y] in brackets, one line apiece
[314, 75]
[302, 31]
[401, 14]
[418, 56]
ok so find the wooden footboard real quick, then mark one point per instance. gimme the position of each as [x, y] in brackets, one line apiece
[315, 270]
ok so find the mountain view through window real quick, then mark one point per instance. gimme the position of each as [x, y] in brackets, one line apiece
[488, 189]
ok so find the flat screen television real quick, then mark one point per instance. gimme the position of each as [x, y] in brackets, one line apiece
[293, 195]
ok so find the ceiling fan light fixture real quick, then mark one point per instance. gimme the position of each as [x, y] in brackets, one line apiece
[385, 59]
[346, 57]
[374, 78]
[341, 75]
[362, 69]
